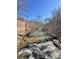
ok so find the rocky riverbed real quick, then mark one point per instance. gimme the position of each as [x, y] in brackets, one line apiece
[39, 46]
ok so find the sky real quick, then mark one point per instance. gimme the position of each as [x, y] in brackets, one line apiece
[41, 8]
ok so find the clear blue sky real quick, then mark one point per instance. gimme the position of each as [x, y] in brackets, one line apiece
[39, 8]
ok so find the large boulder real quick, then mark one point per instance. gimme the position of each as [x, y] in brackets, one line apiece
[57, 43]
[49, 51]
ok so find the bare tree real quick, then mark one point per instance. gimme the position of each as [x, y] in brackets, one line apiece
[53, 28]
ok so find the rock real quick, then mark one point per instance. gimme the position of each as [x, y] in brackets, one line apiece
[25, 50]
[25, 54]
[22, 56]
[36, 51]
[48, 50]
[31, 57]
[56, 55]
[46, 44]
[57, 44]
[46, 57]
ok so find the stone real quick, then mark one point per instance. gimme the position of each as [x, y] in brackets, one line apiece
[36, 51]
[31, 57]
[25, 50]
[57, 44]
[57, 55]
[48, 44]
[46, 57]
